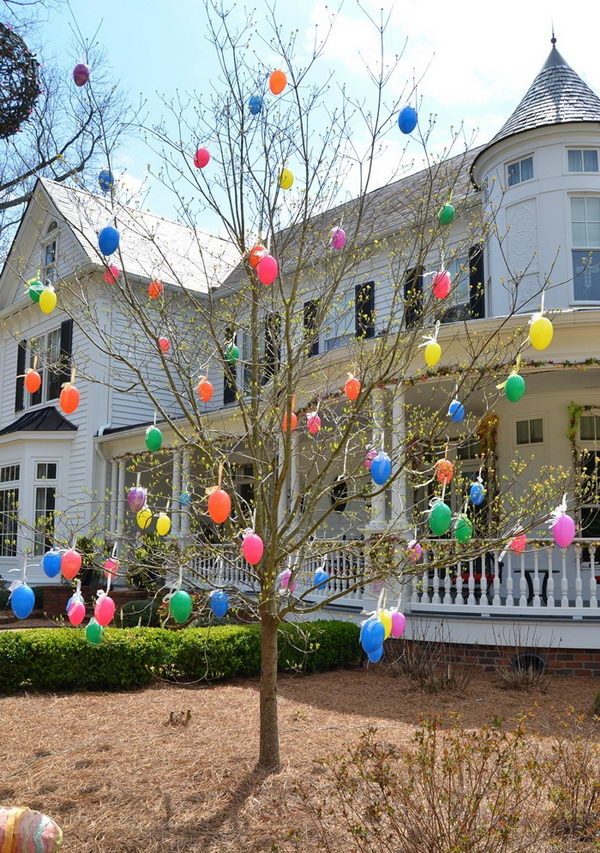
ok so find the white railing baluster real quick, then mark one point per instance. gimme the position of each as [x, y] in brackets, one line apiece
[523, 590]
[436, 586]
[578, 583]
[536, 577]
[593, 587]
[483, 585]
[496, 601]
[471, 582]
[510, 601]
[564, 584]
[448, 587]
[550, 585]
[414, 598]
[425, 590]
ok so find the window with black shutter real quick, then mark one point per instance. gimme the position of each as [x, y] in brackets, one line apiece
[229, 373]
[364, 310]
[66, 350]
[20, 383]
[272, 346]
[311, 309]
[413, 296]
[476, 282]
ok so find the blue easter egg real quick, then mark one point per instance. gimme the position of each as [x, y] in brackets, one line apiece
[381, 468]
[185, 499]
[108, 240]
[376, 656]
[321, 578]
[69, 603]
[105, 179]
[51, 563]
[22, 601]
[255, 104]
[219, 603]
[407, 120]
[456, 411]
[372, 635]
[476, 494]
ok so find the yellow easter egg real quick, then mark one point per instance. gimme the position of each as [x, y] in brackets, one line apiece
[541, 332]
[144, 518]
[48, 300]
[163, 524]
[385, 618]
[286, 179]
[433, 353]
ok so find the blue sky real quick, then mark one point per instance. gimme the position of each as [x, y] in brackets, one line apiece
[480, 58]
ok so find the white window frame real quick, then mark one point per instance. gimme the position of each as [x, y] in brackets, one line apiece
[518, 163]
[41, 364]
[341, 313]
[40, 547]
[9, 486]
[590, 445]
[529, 418]
[573, 247]
[581, 148]
[51, 236]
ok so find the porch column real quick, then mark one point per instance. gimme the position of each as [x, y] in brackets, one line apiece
[377, 522]
[120, 499]
[399, 493]
[282, 505]
[113, 497]
[184, 526]
[175, 490]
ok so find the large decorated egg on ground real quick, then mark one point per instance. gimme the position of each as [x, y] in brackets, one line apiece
[23, 830]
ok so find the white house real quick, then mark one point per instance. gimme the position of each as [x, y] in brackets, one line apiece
[537, 186]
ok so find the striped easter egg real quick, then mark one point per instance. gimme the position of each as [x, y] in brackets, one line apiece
[23, 830]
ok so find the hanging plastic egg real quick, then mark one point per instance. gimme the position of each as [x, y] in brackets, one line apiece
[48, 300]
[104, 610]
[277, 82]
[164, 344]
[293, 422]
[108, 240]
[541, 332]
[321, 579]
[444, 471]
[433, 353]
[180, 606]
[155, 289]
[456, 411]
[370, 455]
[136, 498]
[414, 551]
[407, 120]
[205, 390]
[284, 581]
[201, 158]
[337, 237]
[352, 388]
[144, 518]
[185, 499]
[33, 381]
[440, 518]
[476, 494]
[398, 624]
[313, 423]
[163, 524]
[286, 179]
[94, 632]
[81, 74]
[381, 468]
[514, 387]
[386, 620]
[70, 563]
[256, 253]
[267, 270]
[76, 612]
[51, 563]
[35, 288]
[463, 528]
[442, 284]
[111, 567]
[253, 548]
[22, 600]
[105, 179]
[111, 275]
[375, 657]
[219, 506]
[69, 398]
[154, 438]
[255, 105]
[372, 635]
[232, 354]
[219, 603]
[563, 530]
[518, 543]
[446, 214]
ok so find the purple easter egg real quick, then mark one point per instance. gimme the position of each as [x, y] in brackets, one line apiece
[563, 531]
[136, 498]
[398, 624]
[414, 551]
[338, 238]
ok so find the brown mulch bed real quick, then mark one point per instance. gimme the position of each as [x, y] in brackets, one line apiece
[119, 778]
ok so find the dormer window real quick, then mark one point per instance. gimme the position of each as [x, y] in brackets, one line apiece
[583, 159]
[49, 254]
[519, 171]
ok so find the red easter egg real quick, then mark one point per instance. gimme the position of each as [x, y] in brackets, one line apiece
[219, 506]
[352, 388]
[164, 344]
[201, 158]
[70, 564]
[111, 567]
[205, 390]
[69, 399]
[104, 610]
[313, 422]
[441, 284]
[444, 471]
[293, 422]
[256, 253]
[518, 543]
[112, 274]
[33, 381]
[155, 289]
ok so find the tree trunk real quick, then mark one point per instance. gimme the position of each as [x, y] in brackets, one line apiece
[269, 730]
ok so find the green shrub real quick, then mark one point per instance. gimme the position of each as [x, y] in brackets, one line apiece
[136, 613]
[4, 594]
[61, 658]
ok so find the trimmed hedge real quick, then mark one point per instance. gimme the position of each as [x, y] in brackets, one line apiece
[61, 658]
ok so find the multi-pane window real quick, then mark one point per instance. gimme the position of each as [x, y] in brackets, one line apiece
[530, 431]
[589, 461]
[9, 509]
[339, 329]
[459, 273]
[45, 504]
[521, 170]
[49, 255]
[44, 355]
[583, 159]
[585, 238]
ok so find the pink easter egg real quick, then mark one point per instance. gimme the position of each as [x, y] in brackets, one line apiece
[441, 284]
[371, 454]
[518, 543]
[70, 563]
[201, 158]
[111, 567]
[285, 580]
[398, 624]
[252, 548]
[267, 269]
[338, 238]
[164, 344]
[414, 551]
[563, 530]
[104, 610]
[313, 422]
[111, 274]
[76, 613]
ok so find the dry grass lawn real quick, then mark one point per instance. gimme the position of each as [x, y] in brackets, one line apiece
[118, 777]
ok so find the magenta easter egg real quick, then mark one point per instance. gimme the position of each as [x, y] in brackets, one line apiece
[414, 551]
[104, 610]
[76, 613]
[398, 624]
[285, 581]
[563, 530]
[81, 74]
[267, 269]
[253, 548]
[313, 422]
[371, 454]
[338, 238]
[201, 158]
[441, 284]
